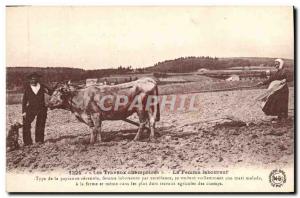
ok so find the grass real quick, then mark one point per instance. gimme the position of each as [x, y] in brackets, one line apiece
[190, 87]
[16, 98]
[13, 98]
[176, 84]
[164, 89]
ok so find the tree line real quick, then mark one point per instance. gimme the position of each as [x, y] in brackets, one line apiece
[16, 76]
[193, 63]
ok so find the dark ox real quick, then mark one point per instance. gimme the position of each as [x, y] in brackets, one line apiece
[94, 104]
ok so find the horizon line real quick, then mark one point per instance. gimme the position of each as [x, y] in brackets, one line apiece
[115, 67]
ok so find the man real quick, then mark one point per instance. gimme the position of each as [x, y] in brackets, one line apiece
[33, 106]
[277, 103]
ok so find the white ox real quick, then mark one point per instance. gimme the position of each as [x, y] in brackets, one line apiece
[94, 104]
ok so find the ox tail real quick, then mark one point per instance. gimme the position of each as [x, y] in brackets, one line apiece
[157, 118]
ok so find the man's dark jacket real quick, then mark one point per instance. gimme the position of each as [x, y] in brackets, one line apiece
[34, 102]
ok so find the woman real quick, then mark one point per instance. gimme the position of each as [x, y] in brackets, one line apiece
[277, 103]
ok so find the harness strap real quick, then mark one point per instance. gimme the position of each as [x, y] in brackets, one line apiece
[89, 122]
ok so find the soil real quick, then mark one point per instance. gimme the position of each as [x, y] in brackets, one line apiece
[227, 130]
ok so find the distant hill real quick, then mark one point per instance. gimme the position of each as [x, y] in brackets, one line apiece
[192, 63]
[16, 76]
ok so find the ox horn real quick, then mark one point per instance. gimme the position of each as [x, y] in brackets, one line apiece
[55, 85]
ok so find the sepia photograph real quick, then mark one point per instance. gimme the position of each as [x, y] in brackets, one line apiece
[150, 99]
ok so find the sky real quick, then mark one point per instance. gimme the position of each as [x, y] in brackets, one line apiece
[104, 37]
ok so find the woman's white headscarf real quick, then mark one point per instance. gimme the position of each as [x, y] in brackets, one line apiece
[281, 63]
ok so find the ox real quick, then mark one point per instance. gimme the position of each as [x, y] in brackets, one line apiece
[94, 104]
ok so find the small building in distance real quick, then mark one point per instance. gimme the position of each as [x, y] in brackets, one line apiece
[233, 78]
[91, 81]
[110, 80]
[202, 71]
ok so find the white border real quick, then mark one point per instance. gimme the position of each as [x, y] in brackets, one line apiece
[3, 3]
[151, 2]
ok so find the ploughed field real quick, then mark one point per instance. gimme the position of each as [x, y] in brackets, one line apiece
[226, 130]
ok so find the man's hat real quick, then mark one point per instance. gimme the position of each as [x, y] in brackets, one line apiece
[34, 75]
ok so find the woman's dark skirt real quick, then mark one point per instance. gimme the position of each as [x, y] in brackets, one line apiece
[277, 103]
